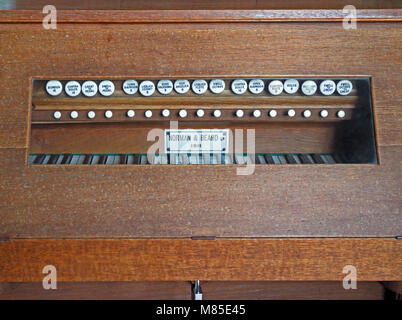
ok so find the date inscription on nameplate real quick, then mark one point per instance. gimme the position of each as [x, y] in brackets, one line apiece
[196, 140]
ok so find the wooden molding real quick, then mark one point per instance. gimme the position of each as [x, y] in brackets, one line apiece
[376, 259]
[147, 16]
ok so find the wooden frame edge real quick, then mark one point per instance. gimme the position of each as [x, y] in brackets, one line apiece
[298, 259]
[148, 16]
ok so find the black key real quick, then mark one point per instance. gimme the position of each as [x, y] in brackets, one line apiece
[306, 159]
[103, 159]
[317, 158]
[136, 158]
[88, 158]
[269, 159]
[39, 159]
[53, 159]
[123, 159]
[290, 159]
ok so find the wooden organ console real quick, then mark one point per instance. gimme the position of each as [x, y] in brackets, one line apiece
[122, 133]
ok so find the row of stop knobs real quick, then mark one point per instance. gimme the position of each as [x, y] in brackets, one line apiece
[200, 113]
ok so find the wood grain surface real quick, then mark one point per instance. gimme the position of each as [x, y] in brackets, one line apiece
[286, 290]
[212, 290]
[150, 290]
[184, 201]
[186, 260]
[237, 49]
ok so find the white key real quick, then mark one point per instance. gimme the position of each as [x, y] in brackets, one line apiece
[130, 159]
[276, 159]
[206, 158]
[327, 87]
[291, 86]
[199, 86]
[193, 159]
[309, 87]
[185, 159]
[181, 86]
[110, 159]
[147, 88]
[174, 158]
[164, 159]
[46, 159]
[106, 88]
[228, 159]
[165, 86]
[89, 88]
[54, 87]
[261, 159]
[156, 159]
[130, 86]
[59, 159]
[330, 159]
[310, 158]
[143, 159]
[217, 86]
[239, 159]
[74, 159]
[275, 87]
[282, 159]
[296, 157]
[31, 158]
[72, 88]
[344, 87]
[95, 159]
[256, 86]
[250, 159]
[81, 159]
[239, 86]
[117, 159]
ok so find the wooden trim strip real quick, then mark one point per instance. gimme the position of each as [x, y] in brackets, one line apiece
[301, 259]
[148, 16]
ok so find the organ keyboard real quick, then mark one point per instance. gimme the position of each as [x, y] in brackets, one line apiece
[290, 116]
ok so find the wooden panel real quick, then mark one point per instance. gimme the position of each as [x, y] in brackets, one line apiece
[222, 290]
[237, 49]
[184, 201]
[132, 138]
[200, 15]
[185, 260]
[165, 290]
[281, 290]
